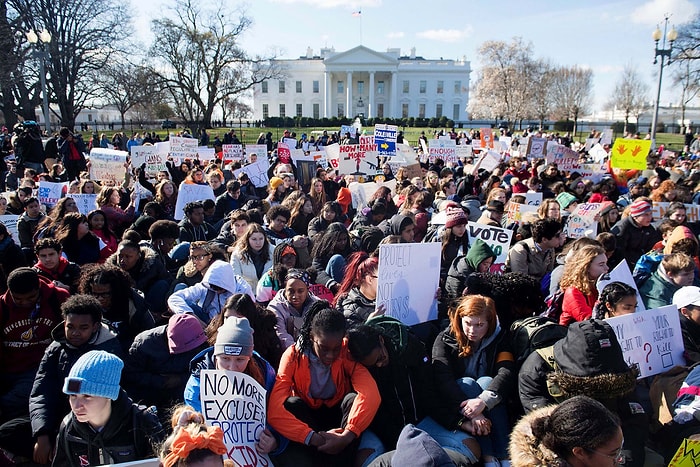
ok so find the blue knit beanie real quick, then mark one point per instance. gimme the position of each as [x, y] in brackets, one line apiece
[96, 373]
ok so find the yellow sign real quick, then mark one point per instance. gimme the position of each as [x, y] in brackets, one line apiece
[688, 454]
[630, 153]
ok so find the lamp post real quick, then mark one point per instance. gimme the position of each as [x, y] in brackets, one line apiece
[661, 52]
[39, 42]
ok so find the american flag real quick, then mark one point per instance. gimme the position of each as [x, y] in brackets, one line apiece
[357, 13]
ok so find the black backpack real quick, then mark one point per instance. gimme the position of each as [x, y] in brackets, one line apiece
[532, 333]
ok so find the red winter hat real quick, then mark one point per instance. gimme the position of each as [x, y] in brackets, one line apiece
[639, 207]
[455, 216]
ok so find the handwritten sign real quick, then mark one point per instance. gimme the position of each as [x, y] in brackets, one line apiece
[385, 139]
[650, 339]
[409, 275]
[445, 149]
[582, 222]
[688, 454]
[191, 192]
[85, 202]
[10, 221]
[236, 403]
[183, 148]
[148, 155]
[630, 153]
[515, 212]
[50, 193]
[255, 151]
[232, 152]
[692, 211]
[257, 172]
[495, 237]
[348, 129]
[107, 164]
[486, 137]
[532, 199]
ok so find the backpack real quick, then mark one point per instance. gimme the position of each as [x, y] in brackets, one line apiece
[534, 333]
[554, 306]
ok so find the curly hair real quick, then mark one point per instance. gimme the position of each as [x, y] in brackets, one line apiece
[576, 269]
[659, 195]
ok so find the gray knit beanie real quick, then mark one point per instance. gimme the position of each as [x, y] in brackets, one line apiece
[234, 337]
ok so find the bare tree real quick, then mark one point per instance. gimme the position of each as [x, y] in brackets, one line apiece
[687, 60]
[542, 102]
[236, 108]
[630, 94]
[686, 76]
[572, 92]
[201, 61]
[85, 34]
[503, 88]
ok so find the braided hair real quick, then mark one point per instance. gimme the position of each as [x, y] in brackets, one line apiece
[610, 296]
[319, 319]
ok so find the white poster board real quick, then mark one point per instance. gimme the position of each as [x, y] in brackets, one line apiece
[50, 193]
[497, 238]
[620, 273]
[257, 150]
[583, 223]
[107, 164]
[149, 155]
[183, 148]
[232, 152]
[257, 172]
[191, 192]
[488, 161]
[10, 221]
[85, 202]
[445, 149]
[531, 199]
[650, 339]
[409, 275]
[236, 403]
[362, 192]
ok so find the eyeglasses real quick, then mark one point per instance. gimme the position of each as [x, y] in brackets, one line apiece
[618, 459]
[199, 257]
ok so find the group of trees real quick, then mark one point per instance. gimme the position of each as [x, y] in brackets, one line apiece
[194, 65]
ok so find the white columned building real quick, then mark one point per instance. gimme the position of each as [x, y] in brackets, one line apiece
[365, 82]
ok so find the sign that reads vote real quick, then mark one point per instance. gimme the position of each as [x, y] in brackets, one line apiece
[650, 339]
[630, 153]
[408, 277]
[385, 139]
[236, 403]
[495, 237]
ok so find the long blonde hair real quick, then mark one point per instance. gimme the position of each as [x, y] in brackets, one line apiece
[576, 269]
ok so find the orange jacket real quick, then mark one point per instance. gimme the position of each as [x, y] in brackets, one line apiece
[294, 379]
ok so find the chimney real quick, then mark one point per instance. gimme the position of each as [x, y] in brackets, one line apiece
[413, 52]
[309, 52]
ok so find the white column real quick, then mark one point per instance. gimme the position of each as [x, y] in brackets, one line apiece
[348, 105]
[370, 104]
[326, 94]
[394, 93]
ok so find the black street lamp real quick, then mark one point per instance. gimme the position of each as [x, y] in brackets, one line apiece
[40, 42]
[662, 52]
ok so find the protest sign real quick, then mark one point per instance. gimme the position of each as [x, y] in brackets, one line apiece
[235, 402]
[85, 202]
[183, 148]
[582, 222]
[630, 153]
[568, 160]
[606, 136]
[290, 142]
[598, 153]
[50, 193]
[692, 211]
[687, 455]
[515, 212]
[445, 149]
[590, 142]
[191, 192]
[488, 161]
[408, 277]
[205, 153]
[495, 237]
[593, 172]
[306, 170]
[505, 143]
[345, 129]
[284, 153]
[362, 192]
[486, 138]
[257, 172]
[148, 155]
[232, 152]
[620, 273]
[536, 148]
[354, 159]
[10, 221]
[254, 151]
[532, 199]
[107, 164]
[650, 339]
[463, 150]
[385, 139]
[554, 151]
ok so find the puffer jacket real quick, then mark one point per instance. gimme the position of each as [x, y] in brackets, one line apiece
[355, 307]
[525, 450]
[463, 266]
[289, 320]
[147, 271]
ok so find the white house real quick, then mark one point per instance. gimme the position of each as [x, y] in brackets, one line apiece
[362, 81]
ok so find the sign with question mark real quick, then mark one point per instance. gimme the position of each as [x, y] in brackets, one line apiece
[650, 339]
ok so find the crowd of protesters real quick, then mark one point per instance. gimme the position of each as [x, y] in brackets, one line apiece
[108, 317]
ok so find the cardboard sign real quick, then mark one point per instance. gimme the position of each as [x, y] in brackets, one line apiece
[497, 238]
[650, 339]
[237, 404]
[445, 149]
[85, 203]
[107, 164]
[232, 152]
[257, 172]
[409, 275]
[183, 148]
[692, 211]
[582, 223]
[50, 193]
[385, 139]
[486, 137]
[687, 455]
[620, 273]
[191, 192]
[630, 153]
[488, 161]
[10, 221]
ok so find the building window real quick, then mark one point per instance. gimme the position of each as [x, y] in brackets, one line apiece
[406, 86]
[299, 112]
[341, 110]
[404, 110]
[266, 111]
[455, 111]
[421, 110]
[264, 87]
[380, 110]
[438, 110]
[440, 87]
[380, 87]
[458, 87]
[341, 87]
[360, 87]
[315, 85]
[317, 111]
[283, 112]
[298, 85]
[281, 87]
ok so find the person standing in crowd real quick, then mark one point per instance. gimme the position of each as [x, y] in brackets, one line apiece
[72, 153]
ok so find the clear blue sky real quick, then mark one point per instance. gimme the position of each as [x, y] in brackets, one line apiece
[598, 34]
